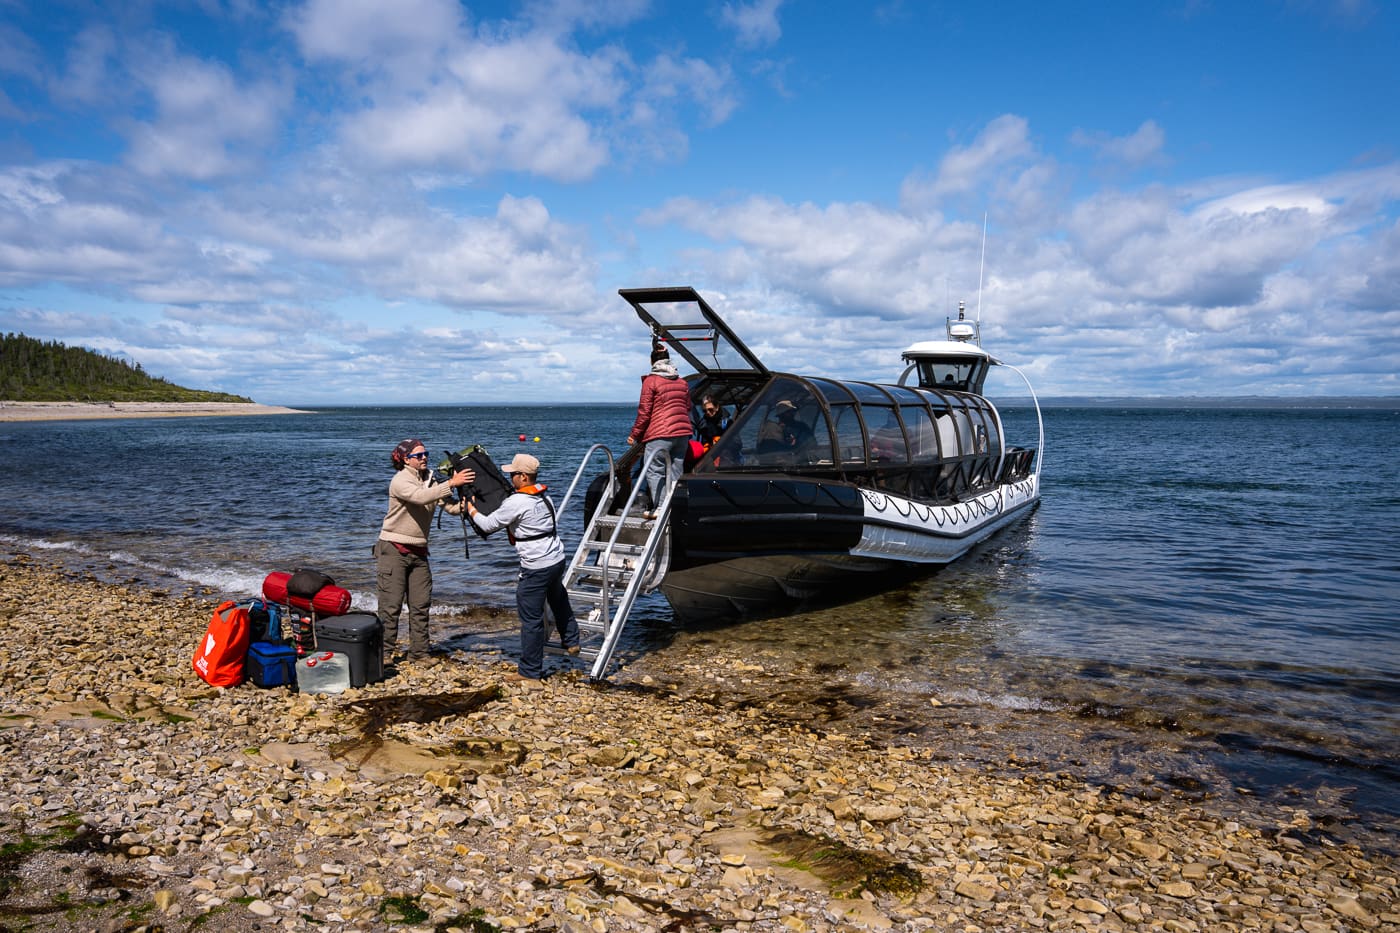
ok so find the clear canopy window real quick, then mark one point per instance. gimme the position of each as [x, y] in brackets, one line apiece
[846, 426]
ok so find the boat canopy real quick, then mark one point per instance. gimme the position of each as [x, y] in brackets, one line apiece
[681, 320]
[818, 425]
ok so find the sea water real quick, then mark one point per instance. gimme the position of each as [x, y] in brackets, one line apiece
[1206, 600]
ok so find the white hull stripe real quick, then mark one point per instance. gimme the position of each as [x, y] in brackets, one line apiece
[897, 528]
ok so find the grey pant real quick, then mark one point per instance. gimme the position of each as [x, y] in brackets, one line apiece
[663, 472]
[403, 576]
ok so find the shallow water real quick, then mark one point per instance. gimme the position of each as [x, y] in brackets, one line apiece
[1205, 599]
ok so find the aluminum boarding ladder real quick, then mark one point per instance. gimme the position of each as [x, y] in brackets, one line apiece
[621, 556]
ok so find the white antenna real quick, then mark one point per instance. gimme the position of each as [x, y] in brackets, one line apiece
[980, 267]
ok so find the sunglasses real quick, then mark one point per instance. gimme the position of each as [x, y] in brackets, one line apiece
[421, 455]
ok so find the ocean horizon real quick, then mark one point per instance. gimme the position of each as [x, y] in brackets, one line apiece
[1383, 402]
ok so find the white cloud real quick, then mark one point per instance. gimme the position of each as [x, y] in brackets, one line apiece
[561, 16]
[1142, 147]
[373, 36]
[481, 98]
[19, 55]
[440, 96]
[208, 124]
[90, 68]
[755, 24]
[519, 259]
[398, 193]
[1003, 143]
[668, 80]
[1194, 290]
[59, 224]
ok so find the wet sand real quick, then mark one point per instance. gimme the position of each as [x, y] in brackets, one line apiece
[89, 411]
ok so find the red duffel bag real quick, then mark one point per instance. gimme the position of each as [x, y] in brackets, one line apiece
[329, 600]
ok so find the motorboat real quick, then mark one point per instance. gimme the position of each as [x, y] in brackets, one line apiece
[817, 486]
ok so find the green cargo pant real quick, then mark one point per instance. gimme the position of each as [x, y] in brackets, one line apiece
[403, 576]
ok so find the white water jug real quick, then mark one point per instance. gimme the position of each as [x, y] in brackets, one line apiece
[323, 672]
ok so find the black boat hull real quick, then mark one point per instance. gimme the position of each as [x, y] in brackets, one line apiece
[744, 546]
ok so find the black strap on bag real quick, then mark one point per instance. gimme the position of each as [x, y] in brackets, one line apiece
[553, 532]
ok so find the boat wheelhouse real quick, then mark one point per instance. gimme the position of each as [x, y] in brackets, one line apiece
[817, 487]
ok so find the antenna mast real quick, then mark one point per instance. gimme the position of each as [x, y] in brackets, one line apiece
[980, 267]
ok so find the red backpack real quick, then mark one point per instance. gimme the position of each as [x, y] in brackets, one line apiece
[220, 655]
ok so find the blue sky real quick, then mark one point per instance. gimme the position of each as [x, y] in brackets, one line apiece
[344, 201]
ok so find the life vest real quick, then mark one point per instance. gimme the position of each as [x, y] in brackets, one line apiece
[537, 489]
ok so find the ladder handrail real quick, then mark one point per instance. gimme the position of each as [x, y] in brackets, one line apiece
[612, 617]
[578, 474]
[605, 560]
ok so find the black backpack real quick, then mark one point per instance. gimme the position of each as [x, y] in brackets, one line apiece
[490, 488]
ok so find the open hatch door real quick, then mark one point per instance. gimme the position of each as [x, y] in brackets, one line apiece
[687, 325]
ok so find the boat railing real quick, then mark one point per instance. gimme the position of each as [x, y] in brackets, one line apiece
[1017, 465]
[947, 480]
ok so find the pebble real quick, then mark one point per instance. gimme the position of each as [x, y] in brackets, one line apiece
[573, 807]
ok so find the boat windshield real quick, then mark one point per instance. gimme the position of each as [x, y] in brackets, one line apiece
[783, 426]
[963, 375]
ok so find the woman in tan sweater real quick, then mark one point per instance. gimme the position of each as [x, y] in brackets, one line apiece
[401, 553]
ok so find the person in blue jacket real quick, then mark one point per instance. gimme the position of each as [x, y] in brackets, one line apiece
[529, 519]
[714, 421]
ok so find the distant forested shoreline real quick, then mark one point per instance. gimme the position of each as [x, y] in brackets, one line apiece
[48, 371]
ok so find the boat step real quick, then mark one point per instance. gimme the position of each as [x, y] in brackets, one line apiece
[618, 549]
[585, 653]
[631, 522]
[594, 577]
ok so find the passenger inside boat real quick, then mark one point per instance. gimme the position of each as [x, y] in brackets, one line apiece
[714, 421]
[887, 441]
[786, 432]
[759, 437]
[958, 375]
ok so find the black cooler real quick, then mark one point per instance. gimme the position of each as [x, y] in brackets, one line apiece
[360, 637]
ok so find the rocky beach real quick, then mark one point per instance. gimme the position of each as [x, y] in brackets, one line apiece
[134, 796]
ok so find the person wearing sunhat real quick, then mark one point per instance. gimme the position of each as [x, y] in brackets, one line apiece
[785, 432]
[401, 553]
[528, 516]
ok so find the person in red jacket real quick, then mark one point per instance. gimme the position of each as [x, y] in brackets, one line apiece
[663, 423]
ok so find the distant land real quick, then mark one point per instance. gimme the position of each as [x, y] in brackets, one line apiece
[48, 371]
[1377, 402]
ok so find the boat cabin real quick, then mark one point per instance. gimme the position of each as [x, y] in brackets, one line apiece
[958, 363]
[925, 443]
[937, 441]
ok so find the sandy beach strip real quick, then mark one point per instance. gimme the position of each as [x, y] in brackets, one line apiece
[83, 411]
[445, 797]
